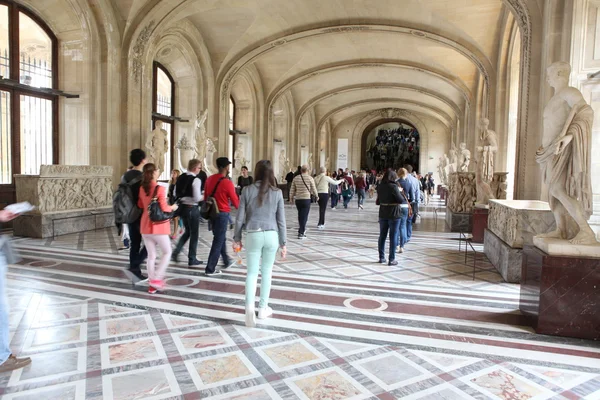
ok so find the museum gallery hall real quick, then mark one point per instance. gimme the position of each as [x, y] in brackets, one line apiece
[299, 199]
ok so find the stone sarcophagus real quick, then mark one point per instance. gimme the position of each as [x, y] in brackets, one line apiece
[68, 199]
[512, 224]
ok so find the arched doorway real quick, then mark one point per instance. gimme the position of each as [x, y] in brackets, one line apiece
[390, 143]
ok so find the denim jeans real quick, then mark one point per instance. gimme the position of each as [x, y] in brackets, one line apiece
[335, 198]
[4, 322]
[403, 227]
[323, 199]
[411, 221]
[136, 257]
[347, 199]
[361, 196]
[385, 226]
[303, 207]
[260, 244]
[191, 222]
[219, 243]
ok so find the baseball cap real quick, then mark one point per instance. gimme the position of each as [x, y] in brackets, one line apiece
[222, 162]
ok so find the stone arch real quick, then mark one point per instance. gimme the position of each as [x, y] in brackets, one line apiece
[374, 124]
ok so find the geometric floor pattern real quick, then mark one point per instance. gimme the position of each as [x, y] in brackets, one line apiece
[344, 326]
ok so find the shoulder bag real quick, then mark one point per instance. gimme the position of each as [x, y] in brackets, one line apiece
[210, 209]
[155, 212]
[410, 210]
[313, 199]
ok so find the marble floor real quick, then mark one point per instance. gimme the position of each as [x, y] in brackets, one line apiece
[345, 327]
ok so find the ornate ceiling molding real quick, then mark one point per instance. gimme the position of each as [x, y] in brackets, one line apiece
[315, 100]
[456, 84]
[478, 59]
[441, 115]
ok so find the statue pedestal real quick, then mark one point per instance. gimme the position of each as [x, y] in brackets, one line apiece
[480, 222]
[511, 225]
[459, 222]
[68, 199]
[562, 247]
[561, 294]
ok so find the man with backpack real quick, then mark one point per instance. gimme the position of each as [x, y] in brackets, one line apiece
[127, 212]
[188, 189]
[347, 188]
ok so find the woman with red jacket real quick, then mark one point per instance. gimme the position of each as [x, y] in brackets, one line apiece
[155, 234]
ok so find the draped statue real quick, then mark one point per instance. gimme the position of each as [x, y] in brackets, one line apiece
[565, 158]
[487, 150]
[158, 145]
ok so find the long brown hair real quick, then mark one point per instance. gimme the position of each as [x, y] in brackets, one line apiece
[148, 177]
[174, 180]
[263, 172]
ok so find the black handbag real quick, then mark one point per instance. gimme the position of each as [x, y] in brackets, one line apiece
[210, 209]
[155, 212]
[313, 199]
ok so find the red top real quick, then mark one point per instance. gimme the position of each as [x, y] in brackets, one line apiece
[148, 227]
[349, 179]
[224, 194]
[360, 183]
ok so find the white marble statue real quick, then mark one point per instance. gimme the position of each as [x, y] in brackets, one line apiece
[465, 158]
[209, 163]
[487, 150]
[200, 135]
[328, 164]
[484, 190]
[565, 158]
[157, 145]
[238, 159]
[282, 163]
[442, 171]
[453, 166]
[186, 152]
[309, 162]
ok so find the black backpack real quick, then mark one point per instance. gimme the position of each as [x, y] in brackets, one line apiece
[182, 185]
[124, 208]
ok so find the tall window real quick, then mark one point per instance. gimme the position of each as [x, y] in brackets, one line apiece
[231, 143]
[513, 113]
[28, 109]
[164, 104]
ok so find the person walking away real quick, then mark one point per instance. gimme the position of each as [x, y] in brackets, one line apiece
[347, 188]
[172, 197]
[223, 191]
[334, 192]
[414, 196]
[389, 200]
[289, 178]
[361, 189]
[155, 234]
[137, 254]
[243, 180]
[323, 183]
[8, 361]
[189, 190]
[405, 188]
[303, 186]
[262, 213]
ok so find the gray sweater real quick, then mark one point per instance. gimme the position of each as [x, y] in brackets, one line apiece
[269, 217]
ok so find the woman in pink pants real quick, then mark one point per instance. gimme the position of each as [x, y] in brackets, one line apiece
[155, 235]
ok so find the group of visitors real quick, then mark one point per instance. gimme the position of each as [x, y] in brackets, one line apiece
[393, 147]
[260, 212]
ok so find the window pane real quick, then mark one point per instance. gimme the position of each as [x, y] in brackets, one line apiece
[4, 58]
[231, 113]
[5, 142]
[35, 134]
[164, 90]
[35, 48]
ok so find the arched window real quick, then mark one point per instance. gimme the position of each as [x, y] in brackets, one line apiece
[28, 99]
[231, 144]
[163, 106]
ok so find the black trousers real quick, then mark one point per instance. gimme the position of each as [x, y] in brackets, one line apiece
[191, 222]
[303, 207]
[136, 257]
[323, 199]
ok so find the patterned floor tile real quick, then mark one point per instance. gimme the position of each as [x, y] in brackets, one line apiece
[198, 340]
[253, 335]
[391, 370]
[344, 348]
[500, 383]
[125, 326]
[50, 365]
[105, 310]
[330, 384]
[131, 351]
[221, 370]
[290, 355]
[148, 383]
[174, 321]
[445, 362]
[60, 335]
[50, 315]
[67, 391]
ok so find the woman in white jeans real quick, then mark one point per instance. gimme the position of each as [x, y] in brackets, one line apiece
[155, 235]
[261, 213]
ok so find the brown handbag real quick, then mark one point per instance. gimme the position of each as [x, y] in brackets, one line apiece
[410, 210]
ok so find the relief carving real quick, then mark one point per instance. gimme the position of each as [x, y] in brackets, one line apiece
[75, 170]
[137, 54]
[462, 192]
[74, 194]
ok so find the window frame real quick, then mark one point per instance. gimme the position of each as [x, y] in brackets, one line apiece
[15, 92]
[155, 67]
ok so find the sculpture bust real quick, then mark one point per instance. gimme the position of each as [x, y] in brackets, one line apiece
[565, 158]
[487, 150]
[158, 145]
[465, 157]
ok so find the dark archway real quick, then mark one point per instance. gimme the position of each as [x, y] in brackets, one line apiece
[399, 147]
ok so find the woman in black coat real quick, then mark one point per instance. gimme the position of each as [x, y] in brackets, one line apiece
[390, 201]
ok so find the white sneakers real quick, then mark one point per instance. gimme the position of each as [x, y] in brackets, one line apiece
[263, 313]
[320, 227]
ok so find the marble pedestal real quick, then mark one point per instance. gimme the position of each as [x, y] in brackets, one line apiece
[506, 259]
[561, 294]
[459, 222]
[512, 224]
[68, 199]
[480, 221]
